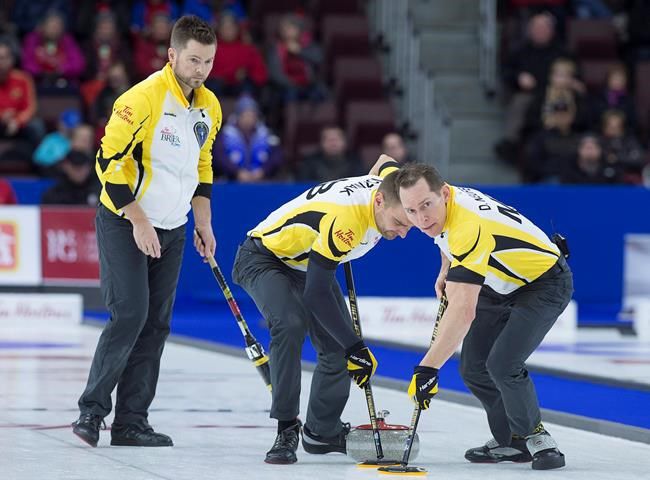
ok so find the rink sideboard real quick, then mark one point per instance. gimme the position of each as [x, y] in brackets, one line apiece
[58, 243]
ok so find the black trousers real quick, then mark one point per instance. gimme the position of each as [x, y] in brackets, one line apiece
[506, 331]
[139, 293]
[277, 291]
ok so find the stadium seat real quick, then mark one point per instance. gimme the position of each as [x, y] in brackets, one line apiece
[369, 154]
[367, 121]
[344, 35]
[594, 73]
[592, 39]
[50, 107]
[303, 123]
[326, 7]
[261, 8]
[642, 97]
[357, 78]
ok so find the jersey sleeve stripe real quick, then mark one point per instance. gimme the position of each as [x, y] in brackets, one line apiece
[510, 243]
[461, 274]
[311, 219]
[463, 256]
[387, 165]
[323, 261]
[119, 193]
[505, 270]
[203, 190]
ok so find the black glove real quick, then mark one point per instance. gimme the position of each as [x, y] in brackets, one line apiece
[423, 386]
[361, 363]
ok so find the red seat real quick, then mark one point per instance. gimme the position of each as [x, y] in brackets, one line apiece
[642, 80]
[369, 154]
[261, 8]
[304, 122]
[344, 35]
[367, 122]
[592, 39]
[325, 7]
[594, 73]
[50, 107]
[357, 78]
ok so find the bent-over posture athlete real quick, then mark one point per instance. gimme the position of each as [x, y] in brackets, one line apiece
[506, 284]
[287, 264]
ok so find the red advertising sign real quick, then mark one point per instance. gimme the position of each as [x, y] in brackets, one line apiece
[69, 246]
[8, 246]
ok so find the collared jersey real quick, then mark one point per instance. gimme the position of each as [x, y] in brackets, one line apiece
[334, 219]
[489, 243]
[158, 149]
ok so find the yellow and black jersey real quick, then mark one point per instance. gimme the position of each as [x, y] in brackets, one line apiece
[157, 149]
[489, 243]
[334, 219]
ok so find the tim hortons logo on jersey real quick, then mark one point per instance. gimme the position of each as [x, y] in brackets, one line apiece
[363, 184]
[8, 246]
[125, 113]
[168, 134]
[345, 237]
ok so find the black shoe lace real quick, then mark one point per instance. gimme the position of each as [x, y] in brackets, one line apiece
[95, 421]
[286, 439]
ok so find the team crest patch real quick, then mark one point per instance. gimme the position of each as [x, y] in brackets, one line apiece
[201, 131]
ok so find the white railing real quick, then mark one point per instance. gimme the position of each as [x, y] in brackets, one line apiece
[417, 106]
[488, 45]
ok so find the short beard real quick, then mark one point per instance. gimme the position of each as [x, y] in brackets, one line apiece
[184, 80]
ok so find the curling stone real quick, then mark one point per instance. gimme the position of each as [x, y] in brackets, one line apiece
[361, 447]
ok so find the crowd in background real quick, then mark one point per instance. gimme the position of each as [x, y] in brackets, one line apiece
[560, 127]
[571, 115]
[95, 51]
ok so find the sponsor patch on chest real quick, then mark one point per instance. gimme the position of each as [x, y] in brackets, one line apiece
[169, 134]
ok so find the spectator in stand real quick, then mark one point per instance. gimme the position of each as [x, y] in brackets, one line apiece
[151, 48]
[56, 145]
[563, 87]
[393, 145]
[86, 14]
[206, 9]
[7, 193]
[117, 82]
[104, 48]
[77, 183]
[294, 62]
[589, 166]
[52, 55]
[332, 160]
[525, 74]
[238, 67]
[615, 95]
[620, 150]
[246, 150]
[27, 14]
[592, 9]
[18, 103]
[554, 147]
[144, 13]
